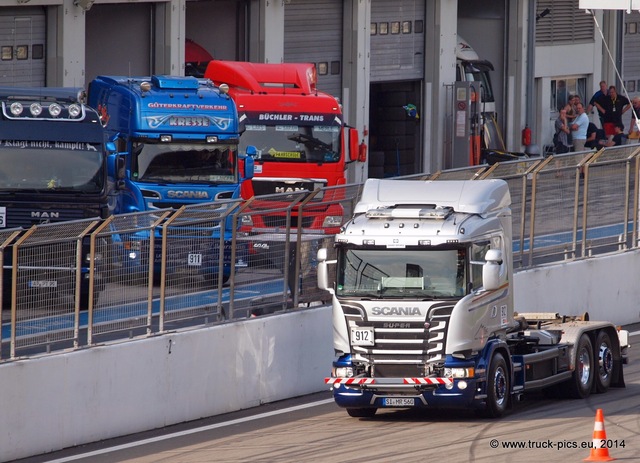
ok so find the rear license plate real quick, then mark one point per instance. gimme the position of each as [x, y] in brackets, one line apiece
[398, 402]
[362, 336]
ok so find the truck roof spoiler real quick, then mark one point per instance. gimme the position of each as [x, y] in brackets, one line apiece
[300, 78]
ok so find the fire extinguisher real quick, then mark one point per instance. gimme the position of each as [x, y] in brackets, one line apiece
[526, 136]
[362, 151]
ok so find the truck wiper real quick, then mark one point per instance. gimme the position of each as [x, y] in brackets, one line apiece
[364, 296]
[314, 144]
[310, 141]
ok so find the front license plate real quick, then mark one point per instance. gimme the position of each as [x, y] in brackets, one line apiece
[43, 284]
[398, 402]
[194, 260]
[362, 336]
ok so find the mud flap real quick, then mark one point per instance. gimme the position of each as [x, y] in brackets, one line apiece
[618, 376]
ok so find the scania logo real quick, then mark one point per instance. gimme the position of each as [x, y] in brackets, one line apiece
[395, 311]
[187, 194]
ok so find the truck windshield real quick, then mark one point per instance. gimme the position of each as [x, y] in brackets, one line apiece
[293, 143]
[51, 166]
[475, 72]
[401, 273]
[184, 163]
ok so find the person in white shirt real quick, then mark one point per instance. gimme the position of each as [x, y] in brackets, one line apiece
[579, 128]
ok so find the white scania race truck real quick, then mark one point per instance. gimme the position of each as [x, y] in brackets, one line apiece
[423, 310]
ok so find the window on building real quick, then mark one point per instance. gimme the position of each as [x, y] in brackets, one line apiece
[566, 23]
[37, 51]
[563, 87]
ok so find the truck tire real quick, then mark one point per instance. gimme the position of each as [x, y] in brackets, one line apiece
[498, 387]
[579, 386]
[604, 356]
[361, 412]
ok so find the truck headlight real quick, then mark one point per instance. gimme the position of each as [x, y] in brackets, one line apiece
[459, 372]
[332, 221]
[97, 256]
[342, 372]
[133, 248]
[74, 110]
[246, 221]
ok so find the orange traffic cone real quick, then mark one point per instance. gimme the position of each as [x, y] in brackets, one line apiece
[598, 451]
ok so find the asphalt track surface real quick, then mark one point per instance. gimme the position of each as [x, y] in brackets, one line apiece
[314, 429]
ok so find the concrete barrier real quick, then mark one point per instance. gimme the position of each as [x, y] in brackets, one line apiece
[66, 399]
[605, 286]
[62, 400]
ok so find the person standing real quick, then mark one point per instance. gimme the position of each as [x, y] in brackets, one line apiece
[603, 91]
[561, 139]
[571, 107]
[612, 107]
[579, 128]
[634, 130]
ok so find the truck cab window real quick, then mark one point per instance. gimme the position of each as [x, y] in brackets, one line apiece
[401, 273]
[478, 251]
[293, 143]
[48, 169]
[184, 163]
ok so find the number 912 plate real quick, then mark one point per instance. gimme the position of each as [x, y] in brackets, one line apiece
[362, 336]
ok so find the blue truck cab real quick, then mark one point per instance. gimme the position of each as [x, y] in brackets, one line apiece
[177, 142]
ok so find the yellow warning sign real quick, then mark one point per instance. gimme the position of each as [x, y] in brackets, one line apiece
[285, 154]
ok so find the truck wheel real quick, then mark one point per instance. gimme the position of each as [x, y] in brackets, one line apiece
[498, 387]
[579, 386]
[361, 412]
[604, 355]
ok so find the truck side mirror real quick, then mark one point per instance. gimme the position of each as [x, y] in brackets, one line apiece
[111, 148]
[323, 271]
[121, 172]
[249, 165]
[492, 278]
[251, 151]
[354, 148]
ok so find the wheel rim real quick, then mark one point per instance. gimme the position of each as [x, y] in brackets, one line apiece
[605, 360]
[584, 367]
[500, 386]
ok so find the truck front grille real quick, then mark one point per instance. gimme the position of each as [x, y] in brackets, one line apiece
[403, 348]
[269, 187]
[25, 216]
[280, 221]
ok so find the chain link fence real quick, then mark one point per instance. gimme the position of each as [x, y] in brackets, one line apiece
[76, 284]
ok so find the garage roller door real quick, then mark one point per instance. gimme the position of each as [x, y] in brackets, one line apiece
[397, 40]
[313, 34]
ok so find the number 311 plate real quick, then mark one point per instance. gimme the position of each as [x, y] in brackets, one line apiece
[362, 336]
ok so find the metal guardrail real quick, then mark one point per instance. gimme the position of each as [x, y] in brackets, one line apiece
[77, 284]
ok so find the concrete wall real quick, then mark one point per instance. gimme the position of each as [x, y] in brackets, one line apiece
[62, 400]
[605, 286]
[67, 399]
